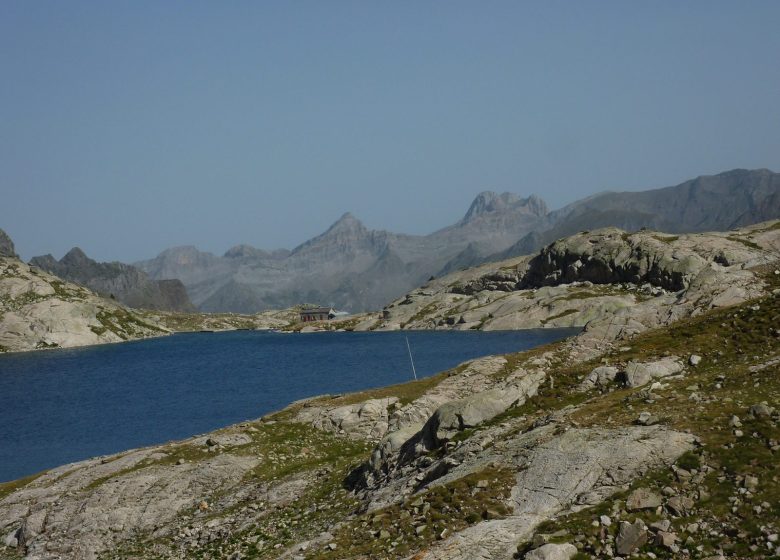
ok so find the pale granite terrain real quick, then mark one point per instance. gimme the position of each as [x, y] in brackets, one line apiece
[652, 433]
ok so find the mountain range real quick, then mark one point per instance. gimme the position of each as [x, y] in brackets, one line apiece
[123, 282]
[352, 267]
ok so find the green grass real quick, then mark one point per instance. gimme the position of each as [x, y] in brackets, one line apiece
[559, 315]
[392, 532]
[422, 314]
[123, 323]
[745, 242]
[8, 488]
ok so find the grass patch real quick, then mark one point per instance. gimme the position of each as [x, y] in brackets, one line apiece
[413, 525]
[8, 488]
[559, 315]
[422, 313]
[124, 324]
[745, 242]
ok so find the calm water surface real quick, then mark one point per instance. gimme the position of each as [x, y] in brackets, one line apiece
[65, 405]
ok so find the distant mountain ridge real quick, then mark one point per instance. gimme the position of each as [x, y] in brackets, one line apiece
[348, 266]
[732, 199]
[128, 284]
[352, 267]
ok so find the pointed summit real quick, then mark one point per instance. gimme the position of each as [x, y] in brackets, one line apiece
[346, 223]
[75, 257]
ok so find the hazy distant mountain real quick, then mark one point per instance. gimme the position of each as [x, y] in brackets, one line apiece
[355, 268]
[348, 266]
[126, 283]
[720, 202]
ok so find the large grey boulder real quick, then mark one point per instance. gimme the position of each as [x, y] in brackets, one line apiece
[390, 445]
[552, 552]
[641, 373]
[470, 412]
[643, 498]
[630, 536]
[364, 420]
[600, 377]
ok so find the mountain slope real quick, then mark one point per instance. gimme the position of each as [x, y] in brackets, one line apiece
[720, 202]
[124, 282]
[6, 245]
[40, 310]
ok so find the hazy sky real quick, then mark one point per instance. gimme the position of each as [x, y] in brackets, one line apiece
[130, 127]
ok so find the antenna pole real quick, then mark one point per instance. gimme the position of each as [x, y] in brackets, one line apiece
[410, 358]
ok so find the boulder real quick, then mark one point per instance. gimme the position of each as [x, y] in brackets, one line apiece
[600, 377]
[761, 410]
[11, 539]
[368, 419]
[390, 445]
[471, 411]
[679, 505]
[641, 373]
[630, 537]
[665, 539]
[646, 419]
[642, 498]
[552, 552]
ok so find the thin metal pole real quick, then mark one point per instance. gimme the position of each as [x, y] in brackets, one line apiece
[410, 358]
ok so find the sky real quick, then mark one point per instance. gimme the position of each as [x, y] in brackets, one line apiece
[130, 127]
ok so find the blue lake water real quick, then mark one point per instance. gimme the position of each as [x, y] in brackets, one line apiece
[61, 406]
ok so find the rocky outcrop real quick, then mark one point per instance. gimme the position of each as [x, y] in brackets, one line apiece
[6, 246]
[612, 256]
[633, 374]
[365, 420]
[38, 310]
[469, 412]
[557, 473]
[125, 283]
[613, 283]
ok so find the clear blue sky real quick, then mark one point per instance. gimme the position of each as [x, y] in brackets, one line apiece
[130, 127]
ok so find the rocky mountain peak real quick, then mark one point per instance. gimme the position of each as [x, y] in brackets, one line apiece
[6, 245]
[76, 257]
[347, 222]
[245, 251]
[489, 202]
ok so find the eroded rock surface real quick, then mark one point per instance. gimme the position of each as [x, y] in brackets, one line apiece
[613, 283]
[38, 310]
[561, 473]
